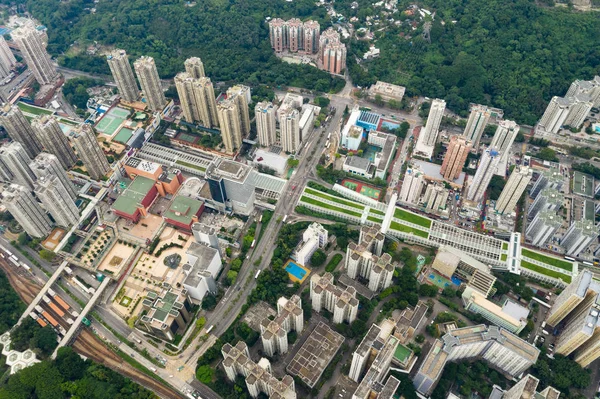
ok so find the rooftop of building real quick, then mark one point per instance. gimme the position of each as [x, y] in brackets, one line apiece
[183, 209]
[358, 162]
[231, 170]
[315, 354]
[164, 304]
[387, 88]
[131, 198]
[583, 184]
[146, 166]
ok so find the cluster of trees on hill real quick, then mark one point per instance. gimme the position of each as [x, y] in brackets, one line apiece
[69, 376]
[513, 55]
[231, 37]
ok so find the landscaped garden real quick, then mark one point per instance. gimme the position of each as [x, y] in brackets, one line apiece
[412, 218]
[327, 206]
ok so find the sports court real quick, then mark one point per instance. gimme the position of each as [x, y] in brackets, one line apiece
[296, 272]
[189, 138]
[124, 135]
[364, 189]
[112, 120]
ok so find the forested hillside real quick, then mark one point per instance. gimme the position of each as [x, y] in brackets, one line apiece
[513, 55]
[230, 36]
[510, 54]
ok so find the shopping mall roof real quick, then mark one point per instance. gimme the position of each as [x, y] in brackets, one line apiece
[182, 209]
[131, 198]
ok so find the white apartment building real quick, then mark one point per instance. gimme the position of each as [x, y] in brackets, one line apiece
[15, 164]
[579, 236]
[54, 140]
[258, 376]
[478, 120]
[266, 125]
[274, 333]
[147, 74]
[436, 196]
[504, 137]
[589, 87]
[412, 185]
[498, 347]
[548, 178]
[48, 165]
[486, 169]
[34, 52]
[21, 204]
[118, 62]
[57, 201]
[314, 237]
[514, 188]
[429, 135]
[7, 59]
[548, 199]
[202, 268]
[19, 129]
[326, 295]
[543, 227]
[289, 129]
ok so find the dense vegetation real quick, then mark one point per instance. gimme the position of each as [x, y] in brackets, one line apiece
[30, 335]
[69, 376]
[75, 91]
[231, 37]
[11, 306]
[513, 55]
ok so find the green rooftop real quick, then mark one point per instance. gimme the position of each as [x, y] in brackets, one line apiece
[549, 260]
[182, 209]
[546, 272]
[402, 353]
[407, 229]
[332, 198]
[410, 217]
[164, 306]
[131, 198]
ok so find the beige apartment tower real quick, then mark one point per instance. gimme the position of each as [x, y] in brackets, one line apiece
[19, 129]
[184, 83]
[229, 121]
[54, 140]
[194, 67]
[332, 52]
[455, 157]
[118, 62]
[242, 97]
[89, 152]
[21, 204]
[264, 114]
[147, 74]
[34, 52]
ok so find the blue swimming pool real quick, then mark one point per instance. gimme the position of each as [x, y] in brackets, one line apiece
[390, 125]
[295, 270]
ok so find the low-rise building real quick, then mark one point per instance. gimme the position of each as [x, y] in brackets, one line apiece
[510, 316]
[167, 313]
[387, 91]
[202, 268]
[134, 201]
[183, 212]
[352, 137]
[315, 354]
[524, 389]
[359, 166]
[383, 158]
[314, 237]
[498, 347]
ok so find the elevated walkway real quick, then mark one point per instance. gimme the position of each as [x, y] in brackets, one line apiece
[77, 324]
[43, 291]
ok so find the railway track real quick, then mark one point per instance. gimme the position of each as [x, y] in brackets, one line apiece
[86, 343]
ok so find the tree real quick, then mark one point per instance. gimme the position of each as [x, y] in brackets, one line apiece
[204, 374]
[47, 255]
[547, 154]
[231, 277]
[69, 364]
[209, 302]
[293, 163]
[23, 239]
[428, 290]
[318, 258]
[44, 339]
[236, 264]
